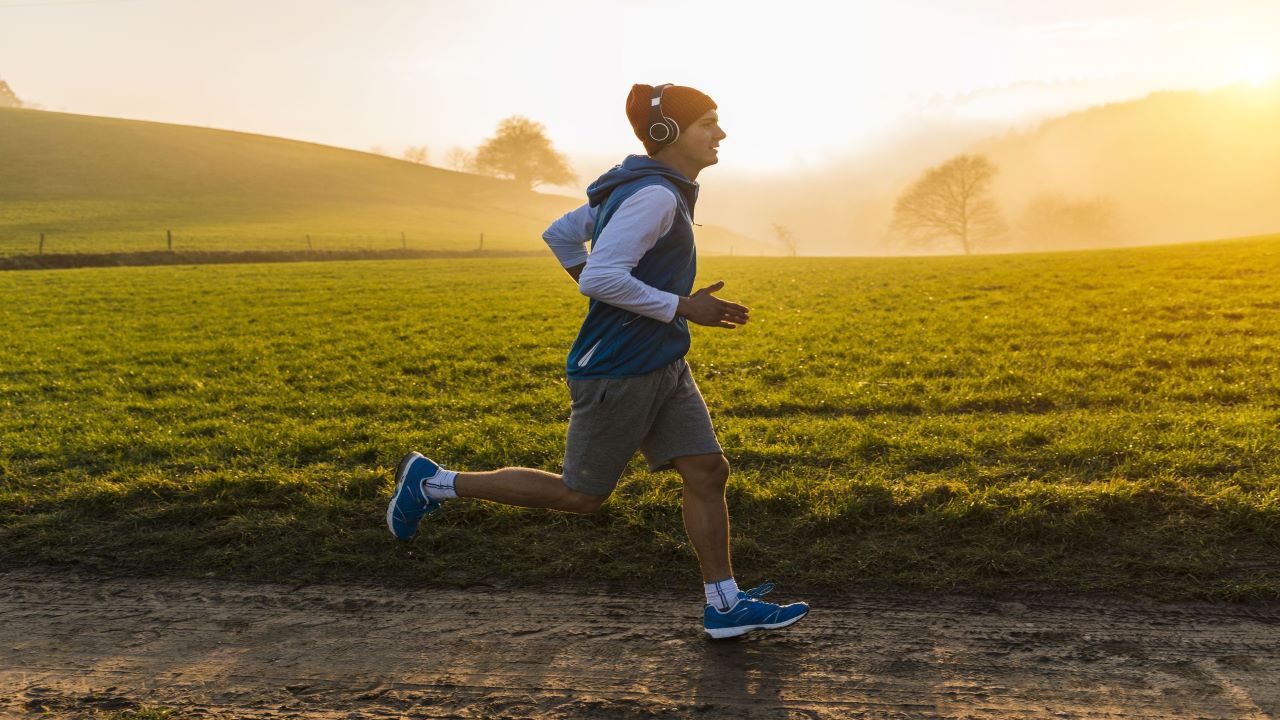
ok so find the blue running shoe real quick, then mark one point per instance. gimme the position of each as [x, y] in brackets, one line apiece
[408, 505]
[751, 613]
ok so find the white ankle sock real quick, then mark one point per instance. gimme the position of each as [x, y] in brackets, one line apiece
[722, 595]
[440, 485]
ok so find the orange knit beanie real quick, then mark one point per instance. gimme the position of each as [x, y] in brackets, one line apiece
[682, 104]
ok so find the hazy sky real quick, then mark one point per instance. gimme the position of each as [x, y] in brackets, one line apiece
[795, 81]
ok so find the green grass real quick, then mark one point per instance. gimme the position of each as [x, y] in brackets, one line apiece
[1101, 421]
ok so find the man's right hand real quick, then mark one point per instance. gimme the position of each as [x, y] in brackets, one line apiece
[704, 308]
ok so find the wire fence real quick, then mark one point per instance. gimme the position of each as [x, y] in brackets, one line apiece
[49, 251]
[47, 243]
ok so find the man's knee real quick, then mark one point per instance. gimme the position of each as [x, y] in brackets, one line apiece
[704, 473]
[576, 502]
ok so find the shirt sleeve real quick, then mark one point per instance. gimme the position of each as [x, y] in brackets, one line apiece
[568, 236]
[633, 230]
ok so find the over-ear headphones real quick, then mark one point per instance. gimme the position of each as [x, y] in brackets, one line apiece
[662, 129]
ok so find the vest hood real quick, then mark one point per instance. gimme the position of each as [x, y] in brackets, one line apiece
[635, 167]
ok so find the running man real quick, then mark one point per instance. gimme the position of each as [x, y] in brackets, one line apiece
[629, 383]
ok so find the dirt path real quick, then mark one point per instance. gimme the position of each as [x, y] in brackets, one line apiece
[75, 645]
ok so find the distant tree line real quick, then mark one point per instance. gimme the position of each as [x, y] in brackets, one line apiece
[519, 151]
[415, 154]
[953, 206]
[1055, 221]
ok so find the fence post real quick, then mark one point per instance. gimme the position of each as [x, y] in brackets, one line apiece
[403, 245]
[41, 244]
[308, 241]
[168, 235]
[482, 241]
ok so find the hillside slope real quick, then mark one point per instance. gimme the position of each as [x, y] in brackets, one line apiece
[95, 184]
[103, 184]
[1172, 167]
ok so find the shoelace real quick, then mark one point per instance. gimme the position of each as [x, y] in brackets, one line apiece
[755, 593]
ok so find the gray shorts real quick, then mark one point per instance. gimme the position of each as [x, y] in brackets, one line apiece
[661, 414]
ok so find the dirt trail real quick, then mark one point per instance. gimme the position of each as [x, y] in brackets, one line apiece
[75, 645]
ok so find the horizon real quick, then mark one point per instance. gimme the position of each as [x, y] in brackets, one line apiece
[1070, 182]
[354, 77]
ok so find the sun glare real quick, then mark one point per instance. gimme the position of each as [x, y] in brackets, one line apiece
[1258, 67]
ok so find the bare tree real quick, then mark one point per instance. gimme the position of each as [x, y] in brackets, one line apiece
[415, 154]
[786, 239]
[521, 151]
[8, 98]
[378, 150]
[952, 200]
[460, 159]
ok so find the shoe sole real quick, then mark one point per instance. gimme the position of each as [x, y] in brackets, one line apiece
[722, 633]
[401, 473]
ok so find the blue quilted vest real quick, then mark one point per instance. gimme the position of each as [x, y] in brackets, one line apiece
[613, 342]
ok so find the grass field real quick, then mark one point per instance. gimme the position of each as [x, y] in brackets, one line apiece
[1102, 421]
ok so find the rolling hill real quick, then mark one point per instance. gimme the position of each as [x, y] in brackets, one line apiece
[1171, 167]
[95, 184]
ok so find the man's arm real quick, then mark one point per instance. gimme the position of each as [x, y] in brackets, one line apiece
[633, 230]
[568, 236]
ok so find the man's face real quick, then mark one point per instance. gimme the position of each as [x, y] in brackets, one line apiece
[697, 143]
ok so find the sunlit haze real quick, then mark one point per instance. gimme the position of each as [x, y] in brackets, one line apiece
[794, 82]
[831, 109]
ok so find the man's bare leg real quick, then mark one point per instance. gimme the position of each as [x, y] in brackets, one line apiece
[525, 487]
[706, 514]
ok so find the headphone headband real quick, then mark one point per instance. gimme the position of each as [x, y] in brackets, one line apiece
[662, 129]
